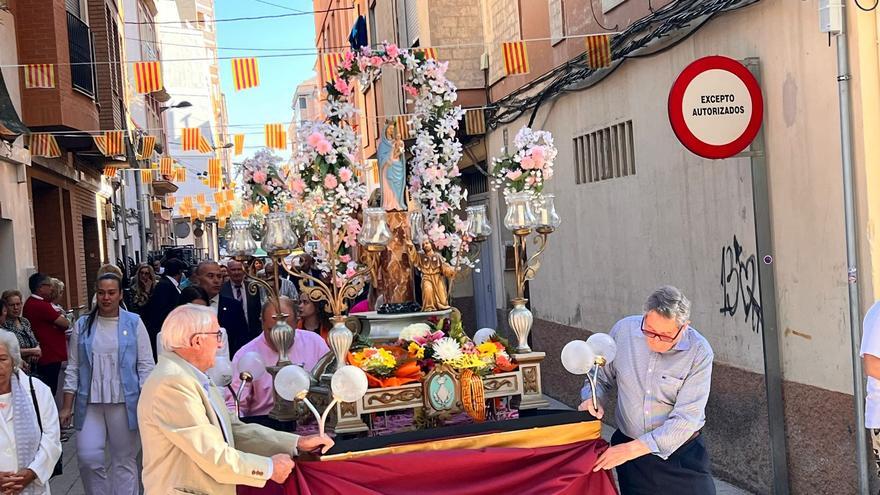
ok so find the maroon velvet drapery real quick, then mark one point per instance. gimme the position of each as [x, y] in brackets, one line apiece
[555, 470]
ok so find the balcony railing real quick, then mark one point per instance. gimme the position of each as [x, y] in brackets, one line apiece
[81, 55]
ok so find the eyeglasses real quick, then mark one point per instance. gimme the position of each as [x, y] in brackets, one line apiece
[218, 333]
[656, 336]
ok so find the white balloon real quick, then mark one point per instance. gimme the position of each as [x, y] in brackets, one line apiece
[349, 384]
[253, 364]
[221, 373]
[483, 335]
[292, 381]
[603, 345]
[577, 357]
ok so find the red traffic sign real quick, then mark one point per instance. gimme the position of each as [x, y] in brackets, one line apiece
[716, 107]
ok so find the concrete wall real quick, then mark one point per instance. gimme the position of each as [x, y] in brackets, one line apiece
[670, 223]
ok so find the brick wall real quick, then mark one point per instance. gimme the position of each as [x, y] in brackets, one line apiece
[503, 25]
[459, 22]
[41, 35]
[109, 81]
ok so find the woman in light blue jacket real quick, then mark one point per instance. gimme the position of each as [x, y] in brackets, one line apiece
[109, 359]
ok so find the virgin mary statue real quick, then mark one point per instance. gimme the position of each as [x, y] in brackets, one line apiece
[392, 168]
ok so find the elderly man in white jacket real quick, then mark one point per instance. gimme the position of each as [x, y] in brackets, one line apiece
[30, 442]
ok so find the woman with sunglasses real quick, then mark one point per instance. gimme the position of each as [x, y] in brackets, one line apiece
[109, 360]
[662, 372]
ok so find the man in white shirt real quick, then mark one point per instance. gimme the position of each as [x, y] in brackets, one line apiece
[870, 353]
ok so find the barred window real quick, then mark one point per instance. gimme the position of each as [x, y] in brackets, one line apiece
[604, 154]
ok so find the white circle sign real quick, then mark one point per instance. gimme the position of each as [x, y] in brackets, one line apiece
[714, 117]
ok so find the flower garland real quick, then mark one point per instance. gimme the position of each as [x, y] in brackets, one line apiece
[326, 160]
[529, 166]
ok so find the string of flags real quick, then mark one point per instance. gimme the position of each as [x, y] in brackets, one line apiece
[244, 73]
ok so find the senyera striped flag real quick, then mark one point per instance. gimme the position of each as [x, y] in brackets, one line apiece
[44, 145]
[276, 136]
[39, 76]
[239, 143]
[330, 63]
[114, 143]
[147, 77]
[191, 137]
[148, 144]
[516, 57]
[244, 73]
[166, 166]
[599, 51]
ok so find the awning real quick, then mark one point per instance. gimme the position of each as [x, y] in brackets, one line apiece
[10, 124]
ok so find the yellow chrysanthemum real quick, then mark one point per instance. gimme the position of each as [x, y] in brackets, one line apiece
[466, 361]
[487, 349]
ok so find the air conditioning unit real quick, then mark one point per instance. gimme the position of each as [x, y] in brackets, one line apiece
[831, 16]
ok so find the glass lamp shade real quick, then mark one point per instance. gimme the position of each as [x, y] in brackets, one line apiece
[241, 243]
[519, 211]
[416, 227]
[279, 234]
[478, 225]
[548, 220]
[375, 231]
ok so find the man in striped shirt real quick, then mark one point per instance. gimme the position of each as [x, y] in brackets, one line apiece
[662, 372]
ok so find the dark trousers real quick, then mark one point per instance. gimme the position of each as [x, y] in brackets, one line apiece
[685, 472]
[48, 374]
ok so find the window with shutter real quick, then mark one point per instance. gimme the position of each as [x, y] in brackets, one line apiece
[557, 21]
[412, 22]
[74, 7]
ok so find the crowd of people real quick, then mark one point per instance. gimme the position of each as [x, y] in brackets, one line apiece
[158, 336]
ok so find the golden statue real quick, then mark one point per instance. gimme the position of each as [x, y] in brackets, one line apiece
[435, 270]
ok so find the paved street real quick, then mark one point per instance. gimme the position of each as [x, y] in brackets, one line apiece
[69, 484]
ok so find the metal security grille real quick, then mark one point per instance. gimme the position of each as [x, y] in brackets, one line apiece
[604, 154]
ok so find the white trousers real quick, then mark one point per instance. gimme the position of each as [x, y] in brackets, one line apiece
[108, 424]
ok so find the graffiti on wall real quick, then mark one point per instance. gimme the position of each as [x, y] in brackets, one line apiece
[739, 285]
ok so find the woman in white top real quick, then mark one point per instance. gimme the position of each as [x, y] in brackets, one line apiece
[109, 358]
[29, 446]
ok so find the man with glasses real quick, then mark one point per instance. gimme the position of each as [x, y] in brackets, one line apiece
[191, 443]
[662, 373]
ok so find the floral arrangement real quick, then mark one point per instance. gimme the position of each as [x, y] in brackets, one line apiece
[265, 182]
[326, 161]
[529, 166]
[375, 360]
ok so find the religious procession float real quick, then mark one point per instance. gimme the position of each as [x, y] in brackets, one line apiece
[410, 359]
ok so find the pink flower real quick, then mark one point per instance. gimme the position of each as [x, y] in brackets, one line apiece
[349, 58]
[314, 138]
[298, 185]
[345, 258]
[350, 272]
[323, 147]
[376, 61]
[531, 180]
[260, 177]
[345, 174]
[514, 174]
[342, 86]
[538, 153]
[330, 181]
[411, 90]
[527, 163]
[392, 50]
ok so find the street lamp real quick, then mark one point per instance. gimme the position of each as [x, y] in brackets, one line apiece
[183, 104]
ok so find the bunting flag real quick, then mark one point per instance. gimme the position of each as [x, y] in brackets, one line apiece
[187, 202]
[204, 145]
[148, 144]
[599, 51]
[101, 144]
[330, 63]
[516, 58]
[147, 176]
[44, 145]
[221, 223]
[403, 127]
[110, 172]
[191, 137]
[156, 206]
[147, 77]
[218, 197]
[244, 73]
[429, 53]
[239, 143]
[214, 167]
[166, 166]
[474, 122]
[170, 200]
[230, 195]
[276, 137]
[39, 76]
[214, 181]
[114, 143]
[180, 174]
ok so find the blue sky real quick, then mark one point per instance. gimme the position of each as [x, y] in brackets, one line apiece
[270, 101]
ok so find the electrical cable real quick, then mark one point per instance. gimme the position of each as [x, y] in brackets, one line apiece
[279, 6]
[236, 19]
[598, 22]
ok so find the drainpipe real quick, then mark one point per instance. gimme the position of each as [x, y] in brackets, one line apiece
[142, 217]
[855, 313]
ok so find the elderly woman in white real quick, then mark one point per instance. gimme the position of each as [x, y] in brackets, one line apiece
[30, 442]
